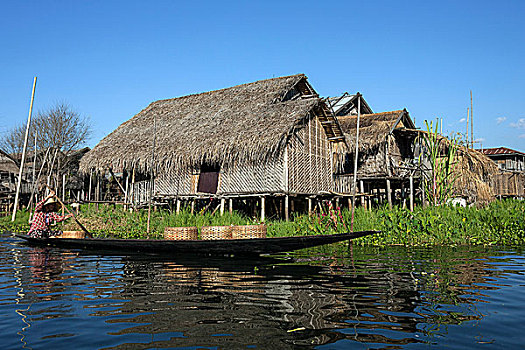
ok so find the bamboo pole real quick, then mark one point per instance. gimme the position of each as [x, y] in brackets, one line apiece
[468, 119]
[263, 208]
[90, 184]
[411, 193]
[354, 183]
[19, 184]
[35, 185]
[471, 120]
[34, 174]
[152, 182]
[389, 193]
[286, 212]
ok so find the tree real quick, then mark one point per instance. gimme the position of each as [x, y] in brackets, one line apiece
[59, 127]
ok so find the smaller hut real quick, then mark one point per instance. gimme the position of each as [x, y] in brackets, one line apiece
[386, 156]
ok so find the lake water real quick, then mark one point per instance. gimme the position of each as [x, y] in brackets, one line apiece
[391, 298]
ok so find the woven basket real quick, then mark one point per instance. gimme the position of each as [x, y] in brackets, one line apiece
[73, 234]
[181, 233]
[249, 231]
[216, 232]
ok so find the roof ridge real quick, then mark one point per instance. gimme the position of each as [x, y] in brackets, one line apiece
[299, 75]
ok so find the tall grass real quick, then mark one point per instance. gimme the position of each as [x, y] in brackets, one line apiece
[501, 222]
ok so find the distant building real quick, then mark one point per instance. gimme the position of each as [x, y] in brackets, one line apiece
[506, 158]
[510, 182]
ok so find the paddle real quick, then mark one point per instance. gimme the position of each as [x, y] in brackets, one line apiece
[69, 211]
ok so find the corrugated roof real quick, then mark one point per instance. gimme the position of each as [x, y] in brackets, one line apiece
[499, 150]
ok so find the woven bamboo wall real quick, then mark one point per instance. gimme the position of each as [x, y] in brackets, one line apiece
[175, 181]
[509, 184]
[309, 164]
[253, 178]
[239, 179]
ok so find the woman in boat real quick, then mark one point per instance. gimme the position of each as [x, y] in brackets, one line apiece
[45, 216]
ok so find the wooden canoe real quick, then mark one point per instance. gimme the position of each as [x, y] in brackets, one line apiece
[254, 246]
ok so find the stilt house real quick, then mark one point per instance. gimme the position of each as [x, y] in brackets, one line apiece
[386, 158]
[271, 138]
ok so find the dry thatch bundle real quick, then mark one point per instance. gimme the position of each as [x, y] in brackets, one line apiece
[472, 171]
[248, 122]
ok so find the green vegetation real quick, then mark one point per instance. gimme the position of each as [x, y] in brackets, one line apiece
[440, 184]
[501, 222]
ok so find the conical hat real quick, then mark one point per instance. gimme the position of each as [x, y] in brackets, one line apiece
[50, 201]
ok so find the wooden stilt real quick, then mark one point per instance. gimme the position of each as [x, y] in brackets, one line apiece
[230, 206]
[193, 206]
[178, 206]
[362, 190]
[286, 213]
[411, 193]
[97, 195]
[388, 193]
[90, 184]
[222, 206]
[309, 206]
[263, 208]
[349, 203]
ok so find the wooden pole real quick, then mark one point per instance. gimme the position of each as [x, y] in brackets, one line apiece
[411, 193]
[309, 206]
[263, 208]
[468, 118]
[389, 193]
[471, 120]
[152, 181]
[132, 195]
[223, 202]
[356, 155]
[35, 185]
[63, 187]
[90, 184]
[34, 172]
[362, 190]
[97, 188]
[19, 184]
[230, 206]
[127, 189]
[286, 212]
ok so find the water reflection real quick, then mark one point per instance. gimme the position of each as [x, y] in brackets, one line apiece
[380, 298]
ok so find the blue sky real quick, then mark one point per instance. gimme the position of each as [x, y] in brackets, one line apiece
[110, 59]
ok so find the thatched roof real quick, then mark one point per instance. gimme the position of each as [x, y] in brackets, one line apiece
[248, 122]
[373, 128]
